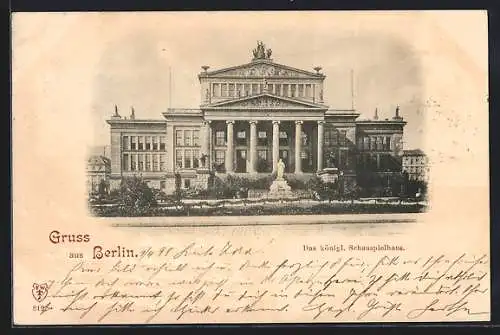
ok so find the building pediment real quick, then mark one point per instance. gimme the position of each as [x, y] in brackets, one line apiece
[262, 68]
[266, 100]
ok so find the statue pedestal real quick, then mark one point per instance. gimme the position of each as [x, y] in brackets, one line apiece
[280, 189]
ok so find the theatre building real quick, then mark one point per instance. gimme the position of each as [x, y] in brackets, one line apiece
[250, 116]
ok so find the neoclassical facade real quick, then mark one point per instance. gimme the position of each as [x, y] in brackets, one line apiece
[251, 116]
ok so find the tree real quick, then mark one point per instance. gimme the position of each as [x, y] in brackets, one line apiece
[136, 196]
[102, 189]
[322, 190]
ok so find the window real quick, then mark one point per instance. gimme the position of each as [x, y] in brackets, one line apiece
[155, 143]
[187, 183]
[220, 157]
[196, 155]
[162, 143]
[380, 143]
[262, 138]
[178, 158]
[196, 138]
[231, 92]
[220, 139]
[387, 143]
[141, 162]
[283, 138]
[141, 143]
[188, 134]
[133, 163]
[155, 162]
[360, 143]
[178, 138]
[239, 90]
[215, 90]
[187, 159]
[246, 89]
[241, 138]
[163, 184]
[301, 91]
[293, 90]
[372, 143]
[223, 88]
[125, 142]
[148, 142]
[148, 162]
[133, 143]
[125, 164]
[162, 162]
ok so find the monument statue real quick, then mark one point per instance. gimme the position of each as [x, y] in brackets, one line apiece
[261, 52]
[280, 189]
[280, 170]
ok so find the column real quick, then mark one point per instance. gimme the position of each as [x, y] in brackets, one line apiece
[298, 146]
[230, 146]
[320, 144]
[276, 144]
[253, 146]
[205, 143]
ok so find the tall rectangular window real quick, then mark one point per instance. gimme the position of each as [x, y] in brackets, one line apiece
[196, 138]
[162, 143]
[215, 90]
[372, 143]
[148, 142]
[155, 162]
[293, 90]
[262, 138]
[220, 139]
[283, 138]
[239, 90]
[196, 155]
[220, 157]
[241, 138]
[162, 162]
[125, 142]
[133, 162]
[141, 143]
[133, 142]
[178, 138]
[188, 134]
[231, 91]
[187, 159]
[246, 90]
[125, 164]
[148, 162]
[223, 90]
[155, 143]
[178, 158]
[141, 162]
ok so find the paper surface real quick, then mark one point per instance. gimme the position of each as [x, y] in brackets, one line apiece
[69, 69]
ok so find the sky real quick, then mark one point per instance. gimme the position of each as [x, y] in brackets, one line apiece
[140, 54]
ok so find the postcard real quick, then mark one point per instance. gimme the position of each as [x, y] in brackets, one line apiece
[250, 167]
